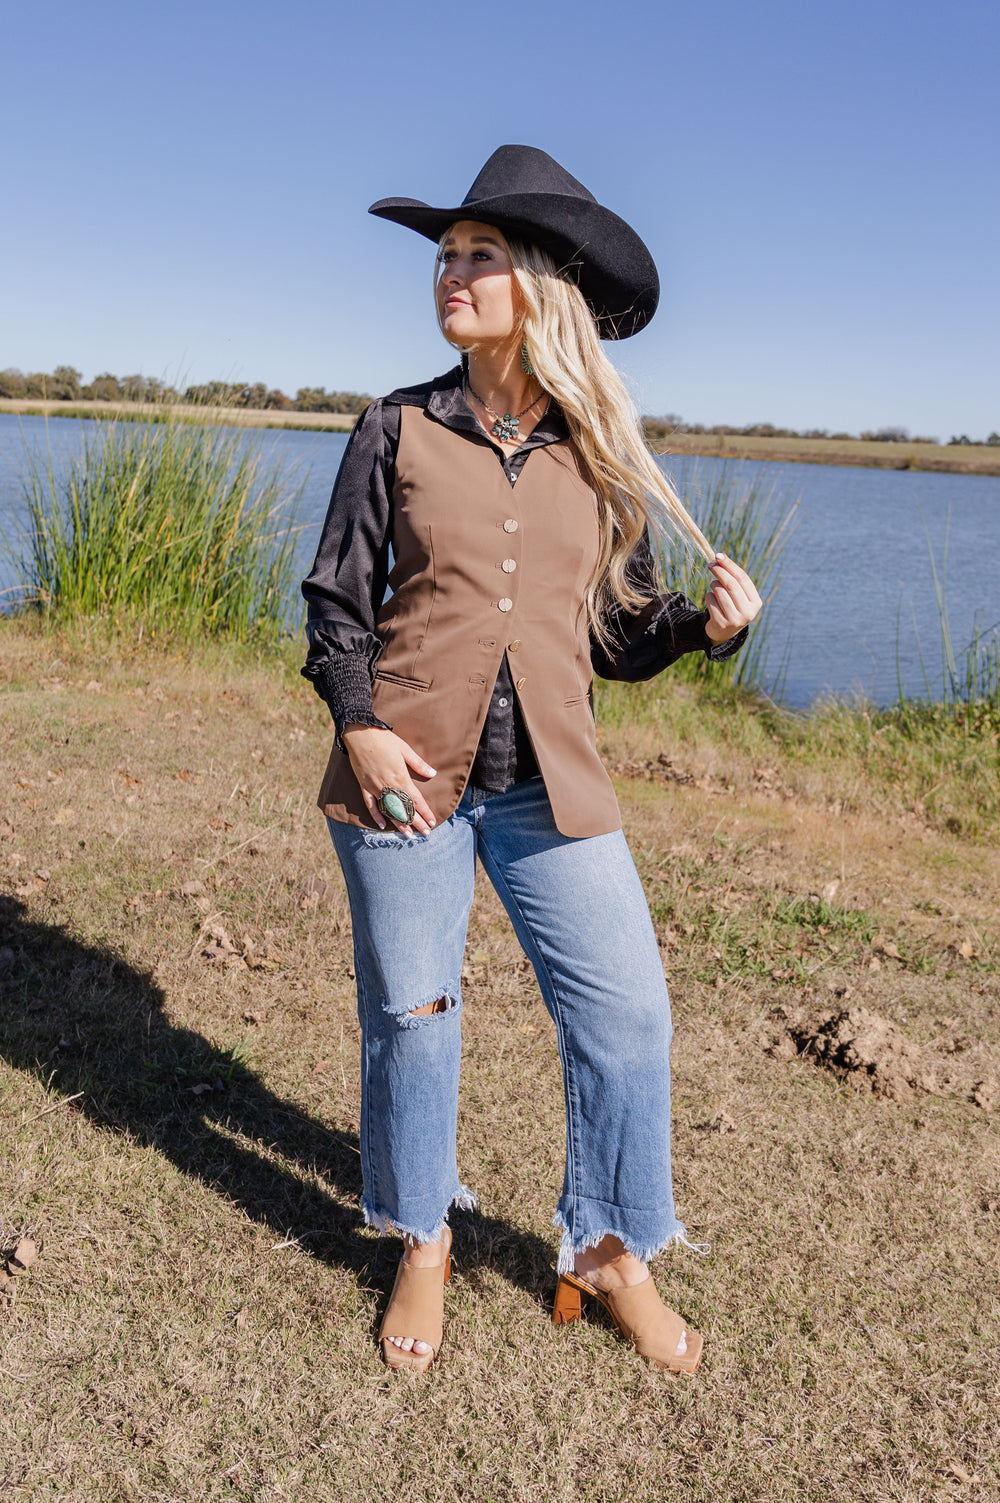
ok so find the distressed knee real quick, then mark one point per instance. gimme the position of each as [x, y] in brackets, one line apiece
[419, 1016]
[440, 1005]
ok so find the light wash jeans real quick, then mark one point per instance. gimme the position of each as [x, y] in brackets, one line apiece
[580, 913]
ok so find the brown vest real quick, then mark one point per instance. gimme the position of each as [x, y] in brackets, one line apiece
[483, 568]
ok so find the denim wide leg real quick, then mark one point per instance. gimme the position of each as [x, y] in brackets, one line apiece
[580, 913]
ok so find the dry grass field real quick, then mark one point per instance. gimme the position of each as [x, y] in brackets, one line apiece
[239, 417]
[957, 459]
[179, 1091]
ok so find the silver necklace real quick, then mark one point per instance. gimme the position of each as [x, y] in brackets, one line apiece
[504, 428]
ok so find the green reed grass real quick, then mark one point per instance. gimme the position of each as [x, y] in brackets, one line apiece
[168, 528]
[751, 521]
[969, 698]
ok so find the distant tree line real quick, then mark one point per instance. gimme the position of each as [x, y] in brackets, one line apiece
[660, 430]
[65, 384]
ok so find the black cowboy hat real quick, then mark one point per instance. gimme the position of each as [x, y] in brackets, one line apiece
[523, 192]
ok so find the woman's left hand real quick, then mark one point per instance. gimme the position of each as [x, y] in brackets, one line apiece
[732, 600]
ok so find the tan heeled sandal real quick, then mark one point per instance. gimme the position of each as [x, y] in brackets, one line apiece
[640, 1317]
[415, 1308]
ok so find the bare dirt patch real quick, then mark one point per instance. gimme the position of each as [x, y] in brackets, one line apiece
[856, 1044]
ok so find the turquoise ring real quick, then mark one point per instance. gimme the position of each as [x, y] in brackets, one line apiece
[396, 805]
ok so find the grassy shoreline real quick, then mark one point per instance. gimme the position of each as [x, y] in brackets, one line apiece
[179, 1080]
[237, 417]
[976, 459]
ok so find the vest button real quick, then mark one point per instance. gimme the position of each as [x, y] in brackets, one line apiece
[505, 604]
[520, 683]
[510, 525]
[509, 565]
[514, 646]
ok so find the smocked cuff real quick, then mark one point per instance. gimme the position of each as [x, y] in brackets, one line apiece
[718, 652]
[344, 680]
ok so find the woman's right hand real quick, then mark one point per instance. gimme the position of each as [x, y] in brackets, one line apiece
[382, 759]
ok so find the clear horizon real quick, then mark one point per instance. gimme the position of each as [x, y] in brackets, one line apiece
[186, 194]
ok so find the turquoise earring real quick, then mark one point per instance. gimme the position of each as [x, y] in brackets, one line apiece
[526, 365]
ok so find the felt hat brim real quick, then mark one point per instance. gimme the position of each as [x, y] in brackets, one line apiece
[591, 245]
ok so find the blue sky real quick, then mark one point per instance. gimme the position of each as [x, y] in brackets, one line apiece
[185, 187]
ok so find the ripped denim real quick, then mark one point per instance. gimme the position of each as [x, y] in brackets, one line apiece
[580, 913]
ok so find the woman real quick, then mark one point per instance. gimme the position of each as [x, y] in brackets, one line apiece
[516, 495]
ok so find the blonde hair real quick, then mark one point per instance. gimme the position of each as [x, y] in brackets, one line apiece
[632, 491]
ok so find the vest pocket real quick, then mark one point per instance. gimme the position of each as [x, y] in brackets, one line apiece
[404, 683]
[581, 699]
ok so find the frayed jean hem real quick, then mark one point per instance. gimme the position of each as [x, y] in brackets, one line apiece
[464, 1200]
[570, 1247]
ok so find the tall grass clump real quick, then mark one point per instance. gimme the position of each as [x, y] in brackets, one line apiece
[751, 522]
[969, 697]
[171, 528]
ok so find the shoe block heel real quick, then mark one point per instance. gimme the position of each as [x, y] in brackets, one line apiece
[568, 1303]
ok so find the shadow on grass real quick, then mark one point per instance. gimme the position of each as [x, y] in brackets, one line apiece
[87, 1024]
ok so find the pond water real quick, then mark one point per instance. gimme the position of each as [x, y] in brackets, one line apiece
[857, 604]
[857, 601]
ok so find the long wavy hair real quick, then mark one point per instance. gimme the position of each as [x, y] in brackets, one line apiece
[633, 493]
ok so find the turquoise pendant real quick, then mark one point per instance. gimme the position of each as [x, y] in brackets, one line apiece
[506, 428]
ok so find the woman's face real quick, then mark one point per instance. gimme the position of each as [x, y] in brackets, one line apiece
[476, 291]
